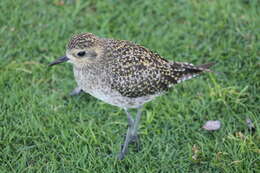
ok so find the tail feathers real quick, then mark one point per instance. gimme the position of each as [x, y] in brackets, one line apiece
[191, 71]
[205, 67]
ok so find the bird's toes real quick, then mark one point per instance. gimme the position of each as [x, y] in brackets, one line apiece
[135, 139]
[121, 156]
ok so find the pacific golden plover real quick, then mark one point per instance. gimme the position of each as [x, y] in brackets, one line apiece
[123, 74]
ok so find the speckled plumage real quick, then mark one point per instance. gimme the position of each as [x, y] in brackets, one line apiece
[126, 74]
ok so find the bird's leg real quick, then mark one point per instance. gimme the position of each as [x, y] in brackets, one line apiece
[125, 146]
[131, 135]
[76, 91]
[134, 136]
[127, 137]
[129, 118]
[136, 121]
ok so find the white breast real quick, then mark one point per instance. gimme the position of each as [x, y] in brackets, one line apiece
[100, 88]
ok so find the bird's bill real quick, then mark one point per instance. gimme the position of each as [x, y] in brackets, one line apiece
[60, 60]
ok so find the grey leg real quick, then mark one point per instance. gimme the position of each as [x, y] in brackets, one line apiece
[129, 118]
[125, 146]
[134, 136]
[131, 135]
[76, 91]
[136, 122]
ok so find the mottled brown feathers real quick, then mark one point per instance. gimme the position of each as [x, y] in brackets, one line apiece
[137, 71]
[133, 70]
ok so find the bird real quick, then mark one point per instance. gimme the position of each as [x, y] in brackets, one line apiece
[124, 74]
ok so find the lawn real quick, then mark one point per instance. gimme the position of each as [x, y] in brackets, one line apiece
[43, 129]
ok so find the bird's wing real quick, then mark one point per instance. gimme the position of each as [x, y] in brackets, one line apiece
[137, 71]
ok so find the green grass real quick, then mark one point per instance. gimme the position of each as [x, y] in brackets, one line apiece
[42, 129]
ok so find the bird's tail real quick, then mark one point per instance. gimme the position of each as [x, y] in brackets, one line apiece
[205, 67]
[186, 71]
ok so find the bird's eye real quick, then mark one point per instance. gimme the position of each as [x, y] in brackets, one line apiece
[81, 53]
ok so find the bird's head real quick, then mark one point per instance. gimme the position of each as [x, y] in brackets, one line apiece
[83, 49]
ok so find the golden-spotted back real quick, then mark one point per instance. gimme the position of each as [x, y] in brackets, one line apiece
[132, 70]
[138, 72]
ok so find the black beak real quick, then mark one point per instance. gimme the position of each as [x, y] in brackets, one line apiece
[60, 60]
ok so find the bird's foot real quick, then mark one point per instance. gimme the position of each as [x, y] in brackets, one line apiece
[121, 155]
[133, 139]
[76, 91]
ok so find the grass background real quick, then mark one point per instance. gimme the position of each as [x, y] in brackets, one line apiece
[42, 129]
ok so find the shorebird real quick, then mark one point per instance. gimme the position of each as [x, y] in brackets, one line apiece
[124, 74]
